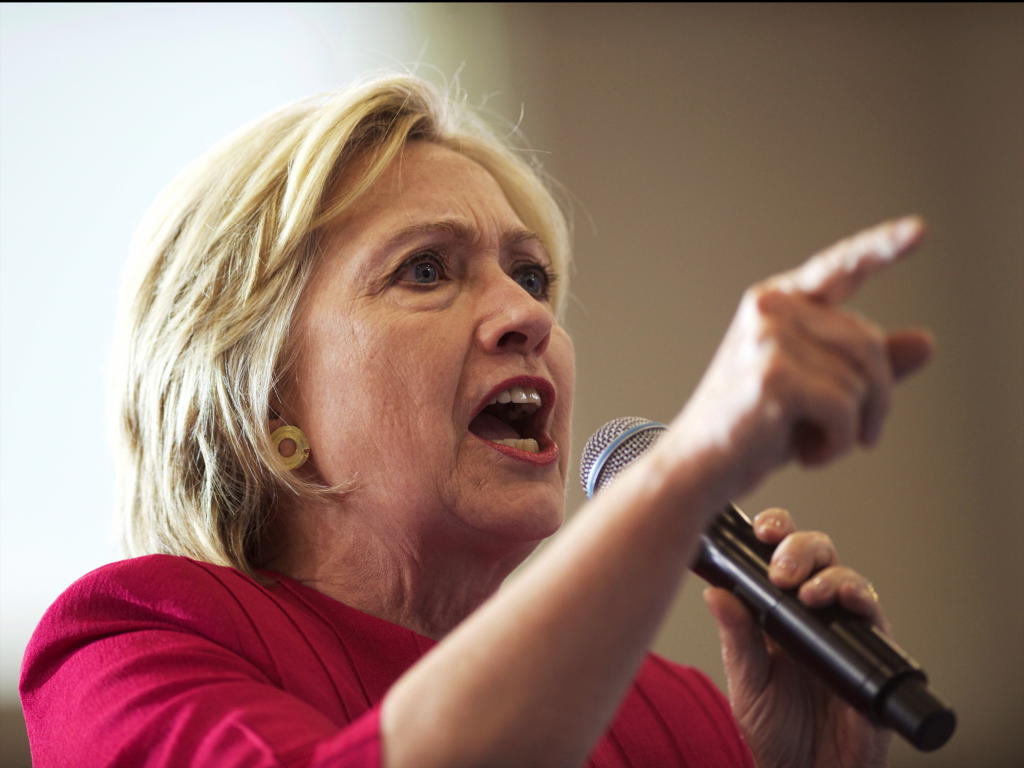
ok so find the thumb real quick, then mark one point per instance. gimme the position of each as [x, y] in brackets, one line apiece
[909, 349]
[744, 652]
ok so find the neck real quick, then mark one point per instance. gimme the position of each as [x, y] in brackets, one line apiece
[424, 580]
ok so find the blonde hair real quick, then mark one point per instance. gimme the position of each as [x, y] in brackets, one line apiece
[218, 265]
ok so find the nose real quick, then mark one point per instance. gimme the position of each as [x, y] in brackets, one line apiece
[511, 320]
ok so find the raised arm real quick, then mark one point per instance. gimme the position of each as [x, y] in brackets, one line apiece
[534, 676]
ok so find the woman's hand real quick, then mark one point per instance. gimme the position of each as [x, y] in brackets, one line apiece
[795, 375]
[788, 718]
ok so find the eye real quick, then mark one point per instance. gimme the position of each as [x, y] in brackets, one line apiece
[424, 272]
[423, 269]
[535, 280]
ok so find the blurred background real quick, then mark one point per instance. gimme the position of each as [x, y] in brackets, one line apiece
[703, 147]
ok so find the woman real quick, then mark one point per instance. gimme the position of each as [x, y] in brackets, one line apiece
[343, 411]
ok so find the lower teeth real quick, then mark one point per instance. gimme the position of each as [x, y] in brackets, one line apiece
[529, 444]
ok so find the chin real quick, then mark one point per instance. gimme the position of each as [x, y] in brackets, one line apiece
[530, 519]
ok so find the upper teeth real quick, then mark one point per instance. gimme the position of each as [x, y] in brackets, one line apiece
[526, 396]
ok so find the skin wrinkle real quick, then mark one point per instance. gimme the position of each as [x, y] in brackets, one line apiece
[458, 230]
[386, 380]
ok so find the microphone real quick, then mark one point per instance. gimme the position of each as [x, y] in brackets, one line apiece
[852, 657]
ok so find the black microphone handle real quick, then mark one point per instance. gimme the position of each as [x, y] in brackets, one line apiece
[852, 657]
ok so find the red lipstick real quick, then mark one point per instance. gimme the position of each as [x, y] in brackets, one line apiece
[530, 427]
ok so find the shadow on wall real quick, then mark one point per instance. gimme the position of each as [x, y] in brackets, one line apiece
[14, 752]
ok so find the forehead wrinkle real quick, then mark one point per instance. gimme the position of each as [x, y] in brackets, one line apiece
[457, 229]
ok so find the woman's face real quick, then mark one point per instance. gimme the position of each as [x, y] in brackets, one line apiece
[430, 303]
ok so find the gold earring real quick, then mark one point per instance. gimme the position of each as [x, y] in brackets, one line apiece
[296, 435]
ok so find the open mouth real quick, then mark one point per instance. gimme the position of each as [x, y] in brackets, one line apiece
[514, 418]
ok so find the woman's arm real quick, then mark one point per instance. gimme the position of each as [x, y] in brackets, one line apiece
[534, 676]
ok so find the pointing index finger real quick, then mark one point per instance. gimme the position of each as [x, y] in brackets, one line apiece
[833, 275]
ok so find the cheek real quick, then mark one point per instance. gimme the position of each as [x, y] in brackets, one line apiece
[413, 369]
[383, 379]
[562, 364]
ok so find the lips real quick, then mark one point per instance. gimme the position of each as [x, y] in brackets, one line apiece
[512, 419]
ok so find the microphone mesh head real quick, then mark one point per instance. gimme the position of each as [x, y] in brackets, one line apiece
[614, 447]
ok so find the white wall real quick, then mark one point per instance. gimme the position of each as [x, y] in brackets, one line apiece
[100, 106]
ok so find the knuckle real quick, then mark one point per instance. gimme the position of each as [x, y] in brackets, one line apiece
[842, 417]
[870, 344]
[852, 389]
[824, 541]
[847, 575]
[848, 407]
[855, 387]
[790, 545]
[767, 298]
[775, 374]
[764, 328]
[750, 300]
[831, 574]
[881, 402]
[771, 410]
[794, 540]
[869, 350]
[829, 551]
[875, 355]
[842, 434]
[750, 295]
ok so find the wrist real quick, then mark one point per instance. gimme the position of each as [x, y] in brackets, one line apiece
[682, 466]
[674, 486]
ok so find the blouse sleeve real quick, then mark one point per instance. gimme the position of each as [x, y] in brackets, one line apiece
[114, 679]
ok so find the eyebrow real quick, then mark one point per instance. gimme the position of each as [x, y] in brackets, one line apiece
[458, 230]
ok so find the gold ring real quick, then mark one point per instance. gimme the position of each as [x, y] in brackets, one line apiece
[871, 591]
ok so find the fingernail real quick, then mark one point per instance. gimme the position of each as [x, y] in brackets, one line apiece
[785, 565]
[768, 525]
[905, 228]
[819, 586]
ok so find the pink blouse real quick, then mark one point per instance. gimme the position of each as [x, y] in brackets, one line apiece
[166, 661]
